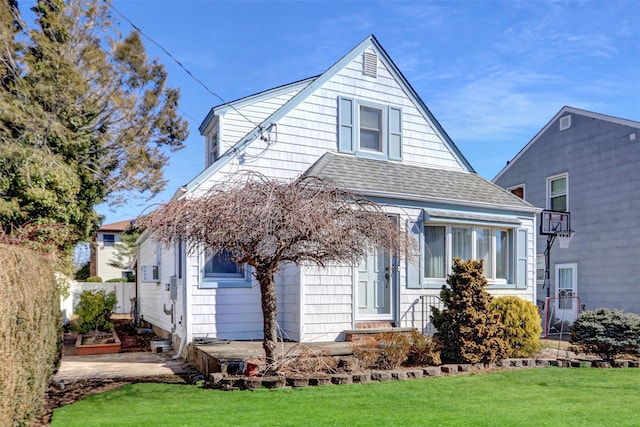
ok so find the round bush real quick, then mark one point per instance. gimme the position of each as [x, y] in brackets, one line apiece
[522, 325]
[94, 311]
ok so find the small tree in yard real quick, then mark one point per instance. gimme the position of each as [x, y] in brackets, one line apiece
[469, 330]
[607, 333]
[264, 223]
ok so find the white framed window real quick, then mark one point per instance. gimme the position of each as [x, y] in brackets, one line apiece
[220, 264]
[212, 148]
[369, 129]
[218, 270]
[443, 243]
[109, 239]
[558, 193]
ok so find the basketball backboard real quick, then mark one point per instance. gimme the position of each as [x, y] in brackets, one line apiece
[554, 223]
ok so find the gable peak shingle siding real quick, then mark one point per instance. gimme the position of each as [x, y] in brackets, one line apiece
[313, 84]
[371, 177]
[554, 123]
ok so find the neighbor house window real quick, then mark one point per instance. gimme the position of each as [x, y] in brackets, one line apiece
[220, 265]
[109, 239]
[443, 243]
[558, 193]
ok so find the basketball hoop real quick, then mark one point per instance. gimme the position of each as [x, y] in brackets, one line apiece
[564, 239]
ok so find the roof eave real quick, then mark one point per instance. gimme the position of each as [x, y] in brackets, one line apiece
[466, 203]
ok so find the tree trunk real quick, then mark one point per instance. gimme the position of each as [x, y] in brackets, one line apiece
[269, 316]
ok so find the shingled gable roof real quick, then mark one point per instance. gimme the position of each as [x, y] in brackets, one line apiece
[370, 177]
[116, 226]
[563, 111]
[312, 85]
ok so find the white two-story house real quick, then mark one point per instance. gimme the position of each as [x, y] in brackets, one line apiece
[361, 124]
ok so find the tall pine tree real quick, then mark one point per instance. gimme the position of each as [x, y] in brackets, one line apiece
[469, 330]
[85, 116]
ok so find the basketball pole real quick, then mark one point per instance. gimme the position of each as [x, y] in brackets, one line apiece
[547, 264]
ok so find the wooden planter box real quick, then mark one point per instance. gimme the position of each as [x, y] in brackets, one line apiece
[110, 347]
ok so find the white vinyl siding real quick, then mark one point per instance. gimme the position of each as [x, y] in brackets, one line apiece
[312, 128]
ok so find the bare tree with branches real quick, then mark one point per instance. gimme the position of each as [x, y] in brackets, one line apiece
[264, 222]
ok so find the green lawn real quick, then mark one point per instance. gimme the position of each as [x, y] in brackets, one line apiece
[528, 397]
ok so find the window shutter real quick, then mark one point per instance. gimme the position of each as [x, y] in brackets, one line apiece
[395, 133]
[521, 258]
[345, 125]
[248, 277]
[414, 258]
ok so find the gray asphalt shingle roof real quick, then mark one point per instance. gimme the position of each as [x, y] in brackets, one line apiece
[397, 180]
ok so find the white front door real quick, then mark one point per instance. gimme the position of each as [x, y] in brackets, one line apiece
[375, 286]
[567, 302]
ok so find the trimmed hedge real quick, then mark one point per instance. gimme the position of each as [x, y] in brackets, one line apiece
[30, 333]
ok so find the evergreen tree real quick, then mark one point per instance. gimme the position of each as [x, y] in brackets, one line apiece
[126, 249]
[85, 117]
[469, 330]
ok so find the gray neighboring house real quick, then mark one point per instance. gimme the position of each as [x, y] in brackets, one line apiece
[588, 164]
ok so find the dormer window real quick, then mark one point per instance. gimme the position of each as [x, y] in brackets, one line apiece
[212, 145]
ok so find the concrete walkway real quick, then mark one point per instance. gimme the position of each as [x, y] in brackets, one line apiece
[120, 365]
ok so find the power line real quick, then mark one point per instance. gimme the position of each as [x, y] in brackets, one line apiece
[185, 69]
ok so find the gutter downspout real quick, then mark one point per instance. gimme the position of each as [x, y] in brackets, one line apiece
[185, 313]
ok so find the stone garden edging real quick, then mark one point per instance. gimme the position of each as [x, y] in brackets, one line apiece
[232, 382]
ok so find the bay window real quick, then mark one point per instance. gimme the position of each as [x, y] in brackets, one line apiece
[491, 245]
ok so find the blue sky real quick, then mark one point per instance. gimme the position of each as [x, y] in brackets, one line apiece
[493, 73]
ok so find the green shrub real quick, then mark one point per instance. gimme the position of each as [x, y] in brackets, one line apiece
[30, 331]
[94, 311]
[469, 330]
[424, 351]
[83, 273]
[94, 279]
[607, 333]
[386, 350]
[522, 325]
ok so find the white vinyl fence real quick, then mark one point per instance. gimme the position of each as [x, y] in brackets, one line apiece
[125, 292]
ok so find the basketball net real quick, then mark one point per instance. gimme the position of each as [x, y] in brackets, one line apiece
[564, 239]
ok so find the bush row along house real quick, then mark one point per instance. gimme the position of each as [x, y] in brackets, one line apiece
[361, 124]
[587, 164]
